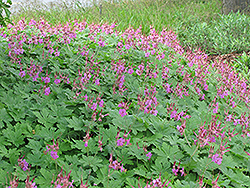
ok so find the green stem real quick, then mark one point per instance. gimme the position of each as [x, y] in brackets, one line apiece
[187, 139]
[195, 150]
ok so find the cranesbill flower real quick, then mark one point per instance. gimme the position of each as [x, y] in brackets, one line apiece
[94, 106]
[85, 97]
[101, 103]
[57, 81]
[217, 159]
[47, 91]
[122, 112]
[149, 155]
[22, 74]
[23, 164]
[97, 82]
[120, 142]
[54, 154]
[46, 80]
[130, 71]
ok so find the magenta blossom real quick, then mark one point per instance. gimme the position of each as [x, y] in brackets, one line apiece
[94, 106]
[22, 74]
[54, 154]
[101, 103]
[217, 159]
[149, 155]
[120, 142]
[47, 91]
[57, 81]
[123, 112]
[46, 80]
[23, 164]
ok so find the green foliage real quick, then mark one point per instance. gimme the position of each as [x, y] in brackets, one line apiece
[5, 7]
[229, 33]
[242, 65]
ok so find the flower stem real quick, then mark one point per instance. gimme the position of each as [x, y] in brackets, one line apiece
[187, 139]
[195, 151]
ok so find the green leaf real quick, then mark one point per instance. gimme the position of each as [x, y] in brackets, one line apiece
[14, 136]
[37, 158]
[4, 117]
[60, 110]
[34, 145]
[76, 123]
[91, 161]
[168, 152]
[45, 118]
[44, 177]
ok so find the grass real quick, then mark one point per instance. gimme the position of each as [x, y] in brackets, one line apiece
[157, 13]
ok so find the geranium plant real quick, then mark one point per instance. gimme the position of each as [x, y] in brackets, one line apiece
[85, 105]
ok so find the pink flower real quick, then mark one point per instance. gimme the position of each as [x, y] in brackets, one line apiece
[57, 81]
[149, 155]
[128, 142]
[217, 159]
[120, 44]
[182, 171]
[22, 74]
[130, 71]
[215, 110]
[86, 143]
[120, 142]
[229, 118]
[101, 103]
[35, 77]
[173, 114]
[54, 154]
[47, 91]
[122, 104]
[154, 112]
[122, 112]
[85, 97]
[175, 171]
[127, 46]
[46, 80]
[122, 169]
[153, 52]
[23, 164]
[40, 41]
[94, 106]
[97, 82]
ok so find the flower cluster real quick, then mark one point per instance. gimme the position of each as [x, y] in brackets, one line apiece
[149, 102]
[122, 141]
[115, 164]
[62, 181]
[155, 183]
[13, 183]
[176, 170]
[30, 184]
[53, 149]
[23, 164]
[124, 106]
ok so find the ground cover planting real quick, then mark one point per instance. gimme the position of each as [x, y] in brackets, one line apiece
[94, 102]
[85, 105]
